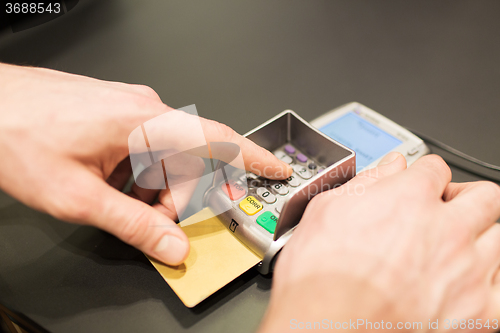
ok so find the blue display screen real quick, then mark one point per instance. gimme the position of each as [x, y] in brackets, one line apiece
[367, 140]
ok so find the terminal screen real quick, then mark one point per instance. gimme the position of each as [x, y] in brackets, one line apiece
[367, 140]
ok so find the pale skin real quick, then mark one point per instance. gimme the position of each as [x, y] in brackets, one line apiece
[64, 148]
[412, 246]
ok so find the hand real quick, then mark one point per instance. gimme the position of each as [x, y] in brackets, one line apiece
[63, 142]
[394, 245]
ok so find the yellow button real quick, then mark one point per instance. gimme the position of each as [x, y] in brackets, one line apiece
[250, 205]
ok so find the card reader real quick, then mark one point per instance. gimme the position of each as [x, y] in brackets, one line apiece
[263, 213]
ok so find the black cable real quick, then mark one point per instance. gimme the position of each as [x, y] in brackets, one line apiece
[457, 153]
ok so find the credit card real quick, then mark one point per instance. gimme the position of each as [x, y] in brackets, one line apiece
[215, 259]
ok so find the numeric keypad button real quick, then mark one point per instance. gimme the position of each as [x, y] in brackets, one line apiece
[266, 195]
[254, 182]
[293, 181]
[284, 157]
[302, 171]
[278, 187]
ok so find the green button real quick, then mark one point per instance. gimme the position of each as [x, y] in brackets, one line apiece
[268, 221]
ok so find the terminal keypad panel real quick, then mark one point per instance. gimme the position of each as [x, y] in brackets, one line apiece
[262, 200]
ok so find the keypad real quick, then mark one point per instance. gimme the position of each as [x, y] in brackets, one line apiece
[265, 198]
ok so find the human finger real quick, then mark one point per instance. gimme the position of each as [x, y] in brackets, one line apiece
[391, 164]
[430, 174]
[177, 132]
[129, 219]
[256, 159]
[478, 203]
[120, 175]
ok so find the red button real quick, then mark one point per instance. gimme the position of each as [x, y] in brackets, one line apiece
[233, 190]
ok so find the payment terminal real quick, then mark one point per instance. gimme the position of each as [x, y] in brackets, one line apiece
[263, 213]
[326, 153]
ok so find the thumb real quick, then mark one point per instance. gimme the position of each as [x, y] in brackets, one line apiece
[390, 164]
[392, 157]
[131, 220]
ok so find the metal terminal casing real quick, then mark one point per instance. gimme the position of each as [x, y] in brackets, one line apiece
[286, 127]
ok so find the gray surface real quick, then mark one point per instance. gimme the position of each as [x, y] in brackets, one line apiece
[426, 64]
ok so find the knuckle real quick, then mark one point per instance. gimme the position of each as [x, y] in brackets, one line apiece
[438, 162]
[315, 203]
[423, 186]
[316, 200]
[321, 199]
[141, 101]
[146, 90]
[223, 131]
[491, 189]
